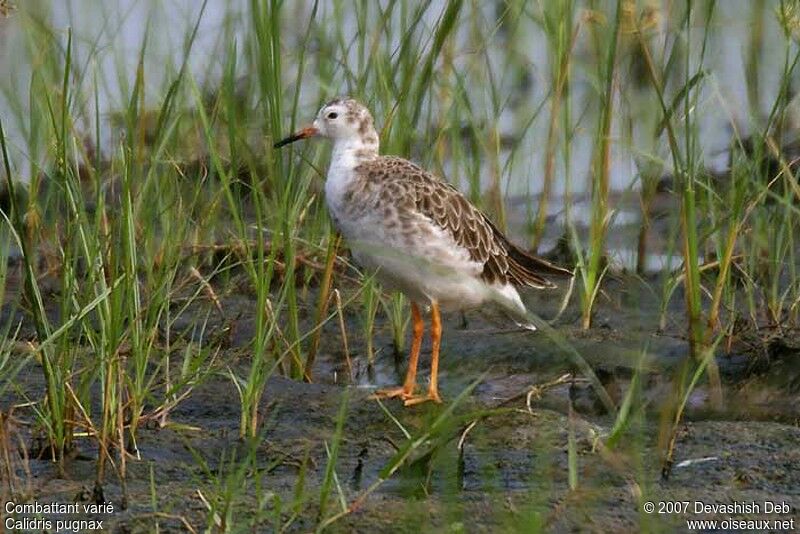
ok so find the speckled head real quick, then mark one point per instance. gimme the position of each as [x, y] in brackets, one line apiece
[345, 119]
[342, 120]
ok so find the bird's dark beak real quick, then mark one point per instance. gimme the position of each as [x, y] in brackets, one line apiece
[305, 133]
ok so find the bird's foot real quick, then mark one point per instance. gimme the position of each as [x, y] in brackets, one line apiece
[431, 396]
[391, 393]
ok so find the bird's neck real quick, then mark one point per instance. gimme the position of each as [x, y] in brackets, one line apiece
[349, 153]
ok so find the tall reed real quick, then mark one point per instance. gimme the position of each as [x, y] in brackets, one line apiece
[591, 266]
[561, 32]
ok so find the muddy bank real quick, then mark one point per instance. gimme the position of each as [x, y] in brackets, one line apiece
[509, 469]
[493, 466]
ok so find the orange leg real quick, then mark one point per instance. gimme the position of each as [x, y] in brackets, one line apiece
[410, 383]
[436, 341]
[416, 343]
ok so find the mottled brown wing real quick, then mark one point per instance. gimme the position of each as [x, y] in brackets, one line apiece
[415, 189]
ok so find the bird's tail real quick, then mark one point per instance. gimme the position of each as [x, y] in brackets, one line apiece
[531, 269]
[527, 269]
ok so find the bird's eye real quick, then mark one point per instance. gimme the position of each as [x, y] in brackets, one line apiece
[332, 115]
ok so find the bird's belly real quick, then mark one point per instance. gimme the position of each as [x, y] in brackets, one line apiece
[424, 265]
[422, 281]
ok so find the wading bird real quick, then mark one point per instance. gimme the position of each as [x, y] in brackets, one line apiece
[418, 234]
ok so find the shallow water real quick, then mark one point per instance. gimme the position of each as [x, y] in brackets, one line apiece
[108, 36]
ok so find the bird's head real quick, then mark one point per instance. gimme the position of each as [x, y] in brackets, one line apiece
[342, 120]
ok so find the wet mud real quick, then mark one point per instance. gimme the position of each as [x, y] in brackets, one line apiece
[499, 462]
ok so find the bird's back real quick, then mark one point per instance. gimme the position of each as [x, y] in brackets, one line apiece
[417, 209]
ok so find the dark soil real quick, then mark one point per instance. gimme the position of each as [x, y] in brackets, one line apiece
[495, 466]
